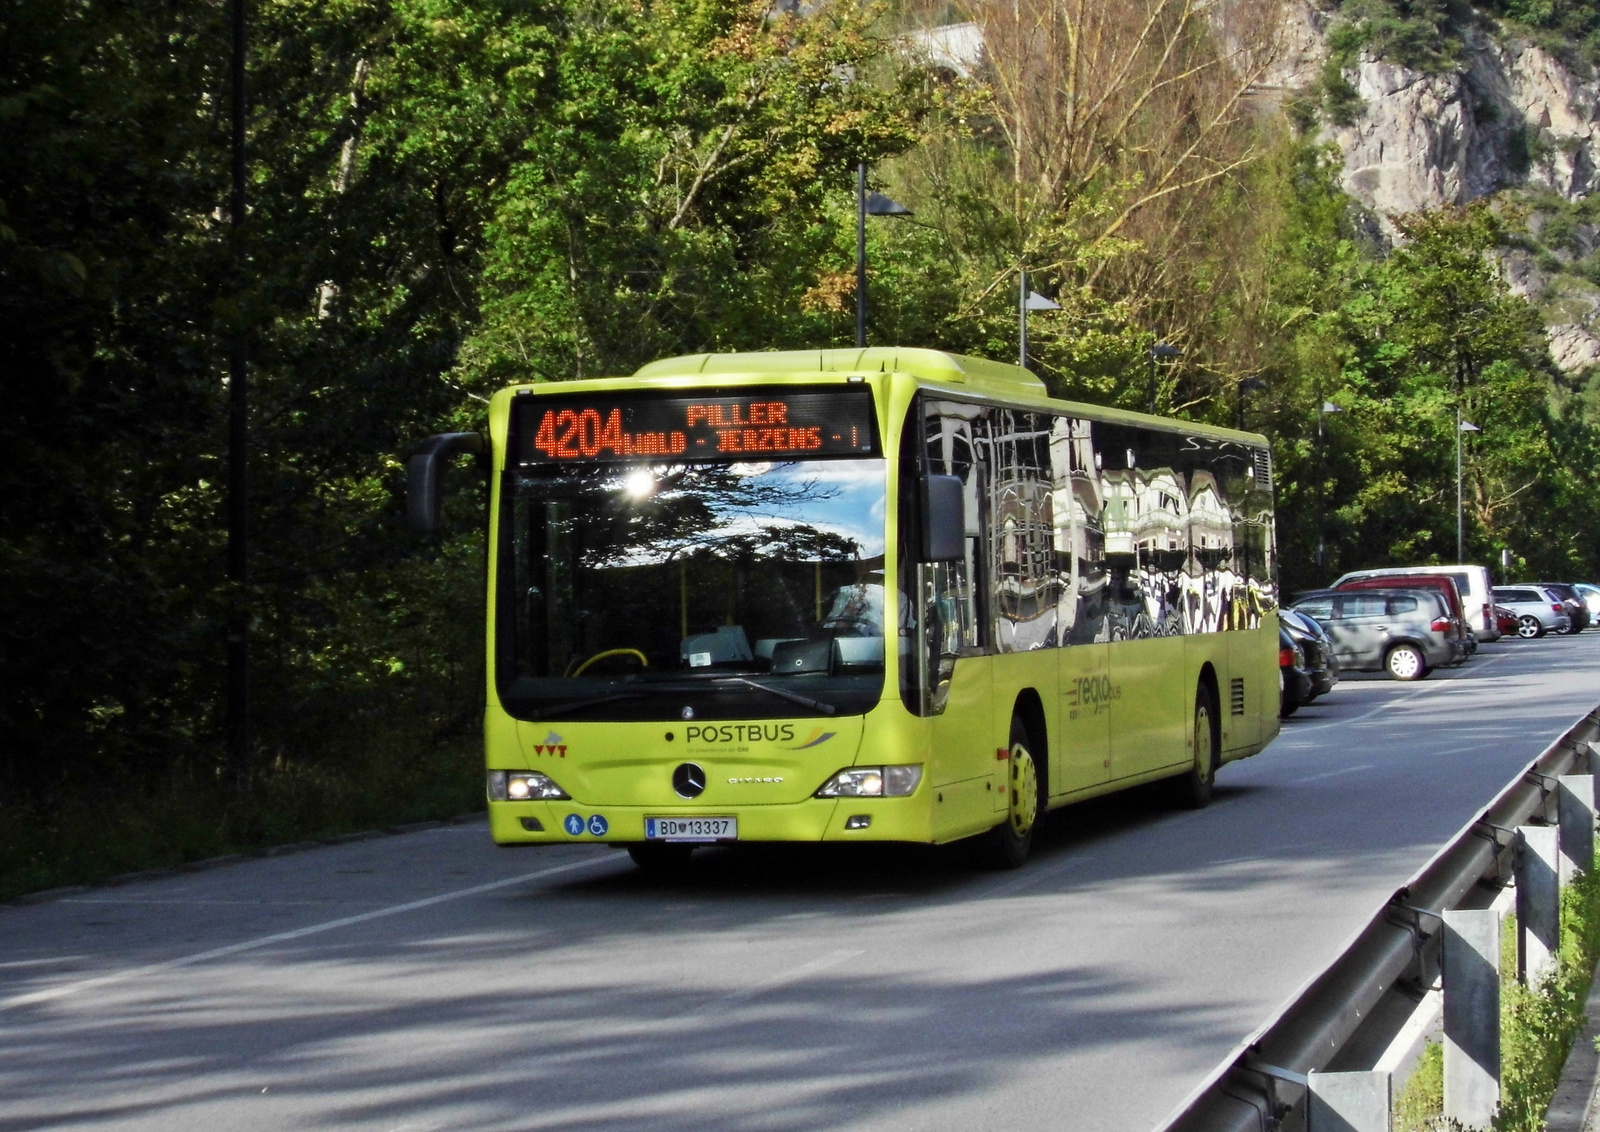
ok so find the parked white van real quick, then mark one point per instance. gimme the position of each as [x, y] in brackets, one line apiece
[1477, 593]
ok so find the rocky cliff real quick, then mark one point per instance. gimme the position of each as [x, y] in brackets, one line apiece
[1508, 115]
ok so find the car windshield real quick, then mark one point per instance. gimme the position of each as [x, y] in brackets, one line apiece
[679, 591]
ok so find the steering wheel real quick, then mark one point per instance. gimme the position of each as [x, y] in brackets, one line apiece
[643, 660]
[848, 621]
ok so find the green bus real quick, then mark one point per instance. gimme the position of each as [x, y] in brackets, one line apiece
[694, 573]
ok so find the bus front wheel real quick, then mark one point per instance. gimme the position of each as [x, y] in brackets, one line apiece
[1006, 846]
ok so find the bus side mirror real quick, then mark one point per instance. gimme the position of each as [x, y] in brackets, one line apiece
[425, 476]
[944, 523]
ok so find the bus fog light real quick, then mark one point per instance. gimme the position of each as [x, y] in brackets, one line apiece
[872, 782]
[858, 821]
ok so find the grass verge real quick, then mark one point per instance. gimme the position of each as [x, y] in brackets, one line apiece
[102, 832]
[1537, 1025]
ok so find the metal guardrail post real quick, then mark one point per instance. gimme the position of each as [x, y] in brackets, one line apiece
[1577, 825]
[1348, 1102]
[1471, 961]
[1307, 1032]
[1538, 901]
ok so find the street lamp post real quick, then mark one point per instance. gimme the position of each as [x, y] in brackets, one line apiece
[1028, 301]
[238, 618]
[1159, 351]
[868, 204]
[1323, 409]
[1248, 385]
[1462, 427]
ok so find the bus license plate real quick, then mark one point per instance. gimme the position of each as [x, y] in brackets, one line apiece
[691, 829]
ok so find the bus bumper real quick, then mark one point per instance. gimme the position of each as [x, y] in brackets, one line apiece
[815, 819]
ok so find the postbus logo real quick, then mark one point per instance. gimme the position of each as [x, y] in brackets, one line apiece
[817, 737]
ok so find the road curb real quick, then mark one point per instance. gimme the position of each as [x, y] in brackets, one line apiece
[1575, 1107]
[50, 895]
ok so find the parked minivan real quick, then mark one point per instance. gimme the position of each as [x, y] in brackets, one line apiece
[1403, 632]
[1472, 582]
[1442, 584]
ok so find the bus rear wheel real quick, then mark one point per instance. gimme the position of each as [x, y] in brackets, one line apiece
[1196, 788]
[1006, 846]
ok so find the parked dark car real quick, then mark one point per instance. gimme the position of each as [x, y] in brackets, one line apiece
[1294, 682]
[1508, 620]
[1577, 608]
[1321, 662]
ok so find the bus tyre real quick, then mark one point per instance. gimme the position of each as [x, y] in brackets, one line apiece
[659, 858]
[1405, 662]
[1195, 788]
[1006, 846]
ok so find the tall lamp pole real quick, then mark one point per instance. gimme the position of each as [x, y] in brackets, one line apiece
[238, 692]
[1462, 427]
[868, 204]
[1248, 385]
[1028, 301]
[1323, 409]
[1159, 352]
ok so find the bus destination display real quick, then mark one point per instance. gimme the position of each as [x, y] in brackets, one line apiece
[706, 426]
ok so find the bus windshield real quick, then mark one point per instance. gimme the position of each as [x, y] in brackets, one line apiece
[694, 590]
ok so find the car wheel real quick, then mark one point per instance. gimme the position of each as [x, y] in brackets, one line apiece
[1529, 627]
[1406, 662]
[1006, 846]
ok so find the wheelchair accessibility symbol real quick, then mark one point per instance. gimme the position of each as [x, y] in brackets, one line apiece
[598, 825]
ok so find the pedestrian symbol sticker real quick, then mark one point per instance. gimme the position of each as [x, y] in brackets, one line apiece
[574, 825]
[598, 825]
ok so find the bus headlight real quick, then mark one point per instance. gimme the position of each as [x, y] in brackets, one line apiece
[872, 782]
[515, 786]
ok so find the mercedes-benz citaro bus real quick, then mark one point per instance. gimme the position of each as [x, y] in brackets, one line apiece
[857, 595]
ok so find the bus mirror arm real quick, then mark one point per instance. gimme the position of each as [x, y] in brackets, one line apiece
[425, 476]
[944, 523]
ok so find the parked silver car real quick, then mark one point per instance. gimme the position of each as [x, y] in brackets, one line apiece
[1537, 610]
[1403, 632]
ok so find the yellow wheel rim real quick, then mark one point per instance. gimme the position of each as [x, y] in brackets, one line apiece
[1205, 754]
[1024, 790]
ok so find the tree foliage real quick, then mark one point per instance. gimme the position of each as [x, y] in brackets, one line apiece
[448, 195]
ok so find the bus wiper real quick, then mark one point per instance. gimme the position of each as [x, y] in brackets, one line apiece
[782, 693]
[592, 701]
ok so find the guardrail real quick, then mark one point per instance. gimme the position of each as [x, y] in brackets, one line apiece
[1262, 1084]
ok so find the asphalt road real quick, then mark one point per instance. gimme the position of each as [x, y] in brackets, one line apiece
[432, 981]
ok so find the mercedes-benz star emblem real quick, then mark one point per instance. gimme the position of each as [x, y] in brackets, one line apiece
[688, 780]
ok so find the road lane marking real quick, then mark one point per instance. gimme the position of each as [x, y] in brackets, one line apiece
[188, 900]
[49, 994]
[716, 1006]
[1297, 730]
[1335, 773]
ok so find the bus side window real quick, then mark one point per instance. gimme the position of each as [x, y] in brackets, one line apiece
[1076, 507]
[1021, 534]
[948, 594]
